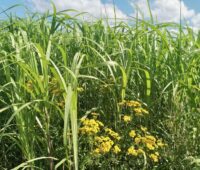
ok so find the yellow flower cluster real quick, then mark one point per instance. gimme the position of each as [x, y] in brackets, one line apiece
[144, 129]
[104, 140]
[90, 126]
[150, 141]
[116, 149]
[136, 106]
[133, 103]
[147, 141]
[154, 156]
[113, 134]
[130, 103]
[160, 143]
[134, 152]
[104, 145]
[140, 111]
[132, 133]
[126, 118]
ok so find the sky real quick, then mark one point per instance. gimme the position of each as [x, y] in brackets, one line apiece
[162, 10]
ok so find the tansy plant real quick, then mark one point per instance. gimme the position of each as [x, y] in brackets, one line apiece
[130, 144]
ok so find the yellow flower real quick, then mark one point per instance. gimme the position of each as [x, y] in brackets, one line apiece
[126, 118]
[122, 103]
[103, 143]
[160, 143]
[89, 130]
[154, 157]
[100, 139]
[82, 119]
[129, 104]
[113, 134]
[116, 149]
[138, 111]
[132, 151]
[108, 129]
[133, 103]
[150, 138]
[106, 146]
[132, 133]
[96, 151]
[144, 129]
[150, 146]
[145, 111]
[90, 126]
[150, 142]
[138, 139]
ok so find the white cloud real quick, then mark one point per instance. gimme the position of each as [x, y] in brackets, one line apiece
[196, 20]
[164, 10]
[167, 11]
[40, 6]
[94, 7]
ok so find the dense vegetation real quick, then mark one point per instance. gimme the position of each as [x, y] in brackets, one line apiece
[61, 76]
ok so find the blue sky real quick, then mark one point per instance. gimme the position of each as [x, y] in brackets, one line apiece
[163, 10]
[122, 4]
[193, 4]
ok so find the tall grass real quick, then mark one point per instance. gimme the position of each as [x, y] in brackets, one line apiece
[46, 59]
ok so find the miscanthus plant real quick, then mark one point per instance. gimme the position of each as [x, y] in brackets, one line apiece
[56, 69]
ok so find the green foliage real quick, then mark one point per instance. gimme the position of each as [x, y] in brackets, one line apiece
[55, 69]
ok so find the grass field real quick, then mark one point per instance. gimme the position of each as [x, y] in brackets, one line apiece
[120, 95]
